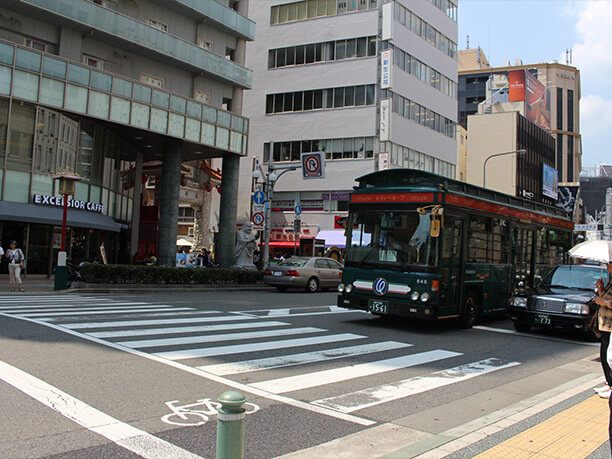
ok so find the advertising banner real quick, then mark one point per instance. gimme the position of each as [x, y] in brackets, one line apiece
[385, 120]
[537, 102]
[550, 181]
[516, 82]
[566, 198]
[386, 58]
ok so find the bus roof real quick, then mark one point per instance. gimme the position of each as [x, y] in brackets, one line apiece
[395, 180]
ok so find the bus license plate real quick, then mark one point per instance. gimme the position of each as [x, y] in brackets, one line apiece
[378, 307]
[542, 319]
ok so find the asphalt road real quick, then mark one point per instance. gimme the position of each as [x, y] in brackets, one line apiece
[315, 372]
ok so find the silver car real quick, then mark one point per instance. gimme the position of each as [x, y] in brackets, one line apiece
[311, 274]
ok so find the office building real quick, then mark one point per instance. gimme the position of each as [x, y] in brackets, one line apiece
[483, 89]
[123, 93]
[372, 84]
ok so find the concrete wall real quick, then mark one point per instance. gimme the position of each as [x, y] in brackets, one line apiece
[490, 134]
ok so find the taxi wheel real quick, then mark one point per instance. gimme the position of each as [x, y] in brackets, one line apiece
[312, 286]
[521, 327]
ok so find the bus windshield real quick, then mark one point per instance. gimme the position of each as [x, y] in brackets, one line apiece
[391, 240]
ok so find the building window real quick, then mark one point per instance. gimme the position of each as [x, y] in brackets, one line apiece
[423, 115]
[310, 9]
[157, 24]
[570, 158]
[560, 109]
[570, 110]
[350, 96]
[186, 215]
[423, 72]
[93, 61]
[345, 148]
[322, 52]
[423, 29]
[446, 6]
[35, 44]
[560, 156]
[151, 80]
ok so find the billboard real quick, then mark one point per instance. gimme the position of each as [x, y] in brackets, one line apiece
[550, 181]
[524, 86]
[516, 83]
[537, 102]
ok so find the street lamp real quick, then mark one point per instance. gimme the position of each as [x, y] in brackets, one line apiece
[67, 184]
[484, 167]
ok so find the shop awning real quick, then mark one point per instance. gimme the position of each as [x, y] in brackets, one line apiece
[30, 213]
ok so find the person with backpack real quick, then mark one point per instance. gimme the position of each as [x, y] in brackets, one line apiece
[16, 261]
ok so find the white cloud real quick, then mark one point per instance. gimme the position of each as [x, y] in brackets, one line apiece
[593, 52]
[595, 115]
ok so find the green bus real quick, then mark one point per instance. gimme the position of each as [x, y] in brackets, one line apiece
[424, 246]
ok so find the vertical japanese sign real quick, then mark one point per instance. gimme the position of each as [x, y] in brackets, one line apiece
[386, 60]
[385, 120]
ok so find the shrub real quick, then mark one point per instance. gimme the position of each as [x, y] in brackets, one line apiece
[129, 274]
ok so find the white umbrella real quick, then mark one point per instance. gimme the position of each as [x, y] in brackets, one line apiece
[593, 250]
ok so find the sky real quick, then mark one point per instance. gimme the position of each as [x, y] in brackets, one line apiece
[540, 31]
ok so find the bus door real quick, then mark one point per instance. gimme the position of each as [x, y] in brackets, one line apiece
[522, 255]
[451, 265]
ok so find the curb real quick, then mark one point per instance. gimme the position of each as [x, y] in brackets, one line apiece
[159, 288]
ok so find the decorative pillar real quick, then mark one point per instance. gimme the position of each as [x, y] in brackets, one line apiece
[168, 205]
[228, 209]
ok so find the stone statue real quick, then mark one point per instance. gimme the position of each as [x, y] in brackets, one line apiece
[245, 246]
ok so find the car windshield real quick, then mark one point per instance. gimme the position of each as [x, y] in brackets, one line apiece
[571, 277]
[394, 240]
[293, 263]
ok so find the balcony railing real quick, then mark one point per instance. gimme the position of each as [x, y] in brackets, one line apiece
[92, 16]
[49, 80]
[224, 16]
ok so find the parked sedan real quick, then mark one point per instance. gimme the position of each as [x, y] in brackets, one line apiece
[561, 300]
[311, 274]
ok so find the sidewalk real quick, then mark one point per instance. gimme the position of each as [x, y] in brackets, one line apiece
[32, 283]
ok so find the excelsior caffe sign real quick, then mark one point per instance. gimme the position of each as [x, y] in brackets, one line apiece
[45, 200]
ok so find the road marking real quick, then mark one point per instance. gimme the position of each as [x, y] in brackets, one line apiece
[94, 313]
[140, 323]
[278, 312]
[179, 330]
[120, 433]
[139, 344]
[320, 378]
[209, 376]
[97, 302]
[254, 347]
[530, 335]
[358, 400]
[286, 312]
[26, 309]
[302, 358]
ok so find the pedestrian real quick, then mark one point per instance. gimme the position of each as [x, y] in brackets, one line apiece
[604, 324]
[16, 261]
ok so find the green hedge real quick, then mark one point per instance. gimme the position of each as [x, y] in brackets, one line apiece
[128, 274]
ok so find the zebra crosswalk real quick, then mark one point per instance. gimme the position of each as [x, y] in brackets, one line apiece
[262, 347]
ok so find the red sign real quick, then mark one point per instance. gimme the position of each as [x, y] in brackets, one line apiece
[516, 80]
[391, 197]
[313, 165]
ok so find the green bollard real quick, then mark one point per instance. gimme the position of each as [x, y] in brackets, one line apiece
[230, 426]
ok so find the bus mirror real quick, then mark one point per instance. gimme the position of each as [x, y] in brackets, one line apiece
[435, 228]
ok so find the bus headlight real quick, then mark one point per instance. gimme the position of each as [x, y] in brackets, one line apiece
[341, 288]
[348, 288]
[414, 296]
[576, 308]
[425, 297]
[519, 302]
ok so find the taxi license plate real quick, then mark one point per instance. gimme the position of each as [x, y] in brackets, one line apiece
[378, 307]
[542, 319]
[277, 273]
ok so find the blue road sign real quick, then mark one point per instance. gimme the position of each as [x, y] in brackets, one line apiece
[259, 197]
[298, 210]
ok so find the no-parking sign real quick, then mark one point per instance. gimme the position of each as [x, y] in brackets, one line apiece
[258, 220]
[313, 165]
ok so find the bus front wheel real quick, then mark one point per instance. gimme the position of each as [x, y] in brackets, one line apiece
[469, 313]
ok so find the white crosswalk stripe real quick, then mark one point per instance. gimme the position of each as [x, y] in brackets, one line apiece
[231, 344]
[359, 400]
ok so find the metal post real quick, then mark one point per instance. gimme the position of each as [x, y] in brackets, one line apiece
[230, 426]
[484, 166]
[268, 185]
[64, 217]
[60, 280]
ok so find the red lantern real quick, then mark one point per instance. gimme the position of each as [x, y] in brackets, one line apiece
[219, 189]
[143, 179]
[183, 181]
[208, 187]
